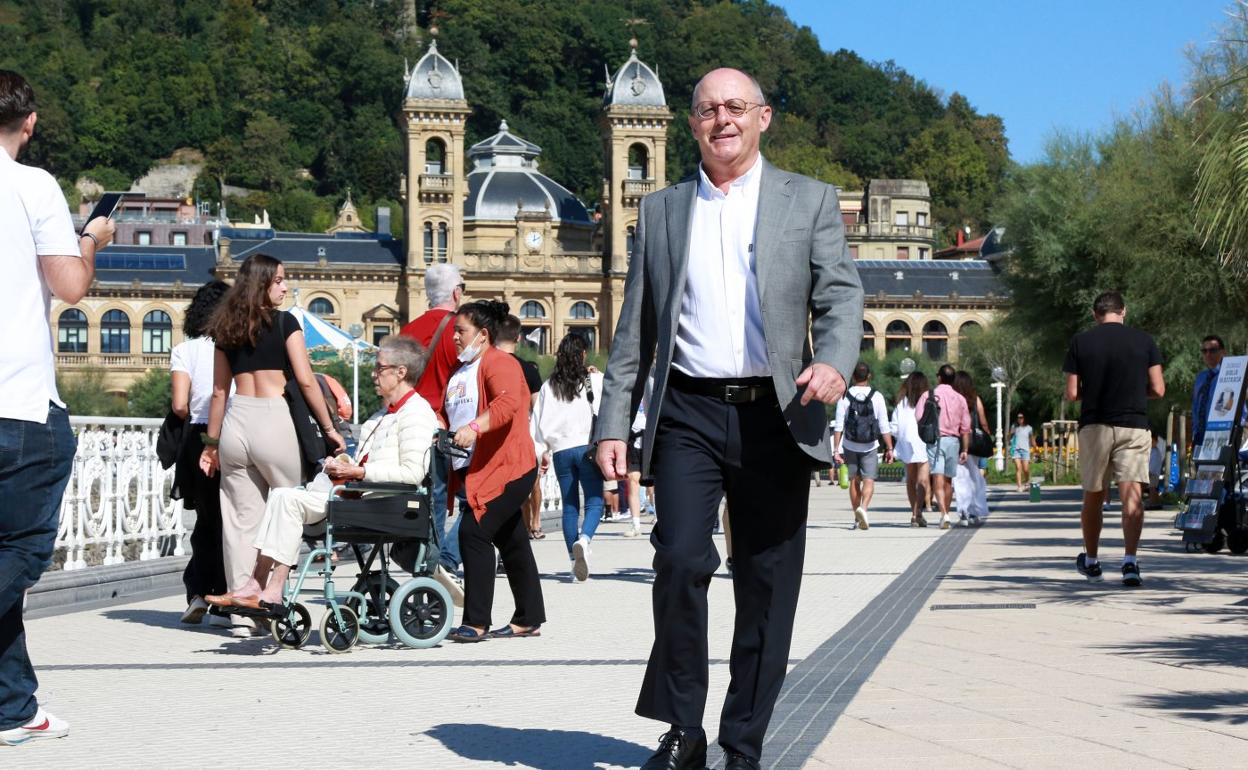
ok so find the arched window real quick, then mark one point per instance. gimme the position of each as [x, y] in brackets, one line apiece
[638, 162]
[897, 336]
[115, 332]
[935, 340]
[428, 243]
[582, 310]
[435, 157]
[868, 337]
[321, 307]
[442, 241]
[968, 328]
[71, 332]
[630, 237]
[534, 330]
[532, 309]
[157, 332]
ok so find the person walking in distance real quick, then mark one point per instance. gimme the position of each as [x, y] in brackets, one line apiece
[949, 450]
[42, 256]
[731, 267]
[910, 449]
[1022, 444]
[863, 419]
[1112, 370]
[434, 329]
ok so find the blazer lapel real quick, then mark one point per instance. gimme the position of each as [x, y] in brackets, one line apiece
[679, 232]
[773, 213]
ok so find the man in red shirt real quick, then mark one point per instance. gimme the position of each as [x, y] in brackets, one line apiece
[444, 288]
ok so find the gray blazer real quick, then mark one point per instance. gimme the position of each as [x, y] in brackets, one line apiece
[807, 284]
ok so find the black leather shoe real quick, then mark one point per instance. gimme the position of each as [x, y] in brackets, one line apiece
[679, 749]
[737, 761]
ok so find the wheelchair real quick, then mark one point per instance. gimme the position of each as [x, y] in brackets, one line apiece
[379, 521]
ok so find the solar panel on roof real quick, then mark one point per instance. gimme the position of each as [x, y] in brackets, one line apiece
[112, 260]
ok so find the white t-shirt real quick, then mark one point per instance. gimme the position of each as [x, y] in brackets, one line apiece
[34, 222]
[196, 357]
[462, 396]
[881, 418]
[566, 424]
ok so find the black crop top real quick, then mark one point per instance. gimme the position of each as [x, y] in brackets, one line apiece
[269, 352]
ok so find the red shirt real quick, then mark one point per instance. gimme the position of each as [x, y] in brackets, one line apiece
[442, 362]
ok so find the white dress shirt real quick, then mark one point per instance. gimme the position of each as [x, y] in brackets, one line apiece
[720, 331]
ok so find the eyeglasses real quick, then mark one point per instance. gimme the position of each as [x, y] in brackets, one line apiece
[1210, 350]
[463, 287]
[379, 368]
[735, 108]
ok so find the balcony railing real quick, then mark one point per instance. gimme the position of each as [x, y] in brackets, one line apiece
[436, 182]
[636, 188]
[885, 230]
[118, 360]
[116, 507]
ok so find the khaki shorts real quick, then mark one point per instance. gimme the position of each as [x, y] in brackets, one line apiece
[1110, 453]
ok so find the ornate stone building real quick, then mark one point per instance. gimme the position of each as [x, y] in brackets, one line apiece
[515, 233]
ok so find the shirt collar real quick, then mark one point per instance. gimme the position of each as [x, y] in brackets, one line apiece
[4, 156]
[707, 189]
[397, 405]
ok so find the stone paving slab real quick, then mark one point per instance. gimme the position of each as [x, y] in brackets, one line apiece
[142, 691]
[1097, 675]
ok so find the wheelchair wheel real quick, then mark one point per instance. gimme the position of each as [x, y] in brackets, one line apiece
[1215, 545]
[421, 613]
[1237, 541]
[375, 617]
[292, 631]
[340, 637]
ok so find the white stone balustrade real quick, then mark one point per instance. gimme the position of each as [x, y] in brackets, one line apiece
[118, 495]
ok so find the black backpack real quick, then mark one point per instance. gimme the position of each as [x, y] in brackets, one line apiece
[860, 424]
[929, 423]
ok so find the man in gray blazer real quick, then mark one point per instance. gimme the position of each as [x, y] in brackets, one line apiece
[735, 272]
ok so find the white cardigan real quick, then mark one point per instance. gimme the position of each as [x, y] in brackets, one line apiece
[559, 425]
[398, 445]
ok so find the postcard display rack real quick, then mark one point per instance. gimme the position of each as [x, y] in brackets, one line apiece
[1215, 506]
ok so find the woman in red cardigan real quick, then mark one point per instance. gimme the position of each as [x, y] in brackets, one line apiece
[487, 407]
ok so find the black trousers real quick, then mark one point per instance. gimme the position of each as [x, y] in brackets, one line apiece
[502, 527]
[704, 449]
[205, 572]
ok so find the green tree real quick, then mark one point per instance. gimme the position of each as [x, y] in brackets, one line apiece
[151, 395]
[85, 394]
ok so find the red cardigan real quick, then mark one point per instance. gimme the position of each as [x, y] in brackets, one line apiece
[504, 453]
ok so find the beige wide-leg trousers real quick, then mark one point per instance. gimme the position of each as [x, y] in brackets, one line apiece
[259, 452]
[281, 531]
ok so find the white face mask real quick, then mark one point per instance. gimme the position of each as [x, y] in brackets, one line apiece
[470, 351]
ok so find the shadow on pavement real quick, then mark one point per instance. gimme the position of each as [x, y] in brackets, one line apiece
[542, 749]
[1229, 706]
[1196, 650]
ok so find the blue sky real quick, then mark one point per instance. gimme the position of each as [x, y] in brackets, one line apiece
[1041, 65]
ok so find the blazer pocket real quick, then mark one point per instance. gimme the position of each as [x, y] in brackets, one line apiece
[799, 234]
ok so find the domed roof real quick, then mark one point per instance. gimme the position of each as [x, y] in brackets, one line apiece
[505, 179]
[434, 77]
[634, 85]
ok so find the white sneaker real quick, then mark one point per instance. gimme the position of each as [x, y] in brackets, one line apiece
[944, 521]
[860, 518]
[580, 559]
[963, 522]
[44, 725]
[451, 585]
[633, 531]
[195, 611]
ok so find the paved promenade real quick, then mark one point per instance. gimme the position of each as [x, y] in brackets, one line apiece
[1093, 676]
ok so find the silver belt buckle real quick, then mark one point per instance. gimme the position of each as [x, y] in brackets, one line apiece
[737, 394]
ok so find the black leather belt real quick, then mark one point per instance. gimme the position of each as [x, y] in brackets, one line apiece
[740, 390]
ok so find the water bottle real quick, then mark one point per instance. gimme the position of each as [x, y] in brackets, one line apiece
[842, 476]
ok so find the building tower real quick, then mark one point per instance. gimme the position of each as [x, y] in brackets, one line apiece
[434, 187]
[634, 125]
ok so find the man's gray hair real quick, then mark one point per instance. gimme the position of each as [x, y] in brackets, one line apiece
[758, 89]
[440, 282]
[405, 351]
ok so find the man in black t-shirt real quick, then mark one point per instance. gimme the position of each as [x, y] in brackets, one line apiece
[508, 339]
[1113, 370]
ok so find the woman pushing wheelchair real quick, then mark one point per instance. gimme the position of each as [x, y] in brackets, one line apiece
[394, 448]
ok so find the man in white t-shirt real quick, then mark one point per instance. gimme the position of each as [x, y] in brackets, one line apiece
[40, 255]
[861, 424]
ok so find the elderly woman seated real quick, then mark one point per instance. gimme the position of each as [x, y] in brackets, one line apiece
[394, 447]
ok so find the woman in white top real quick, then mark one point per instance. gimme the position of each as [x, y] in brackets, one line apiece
[909, 448]
[191, 364]
[566, 407]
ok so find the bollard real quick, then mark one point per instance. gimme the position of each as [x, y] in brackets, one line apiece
[1035, 490]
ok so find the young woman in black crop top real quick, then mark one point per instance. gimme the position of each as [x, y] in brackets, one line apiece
[253, 442]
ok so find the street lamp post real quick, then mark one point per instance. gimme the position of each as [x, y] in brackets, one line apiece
[356, 331]
[998, 383]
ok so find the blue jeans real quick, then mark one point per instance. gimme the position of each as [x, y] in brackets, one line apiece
[577, 472]
[35, 461]
[449, 541]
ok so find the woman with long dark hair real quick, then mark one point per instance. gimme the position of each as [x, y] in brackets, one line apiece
[191, 366]
[969, 487]
[909, 448]
[253, 443]
[487, 407]
[563, 420]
